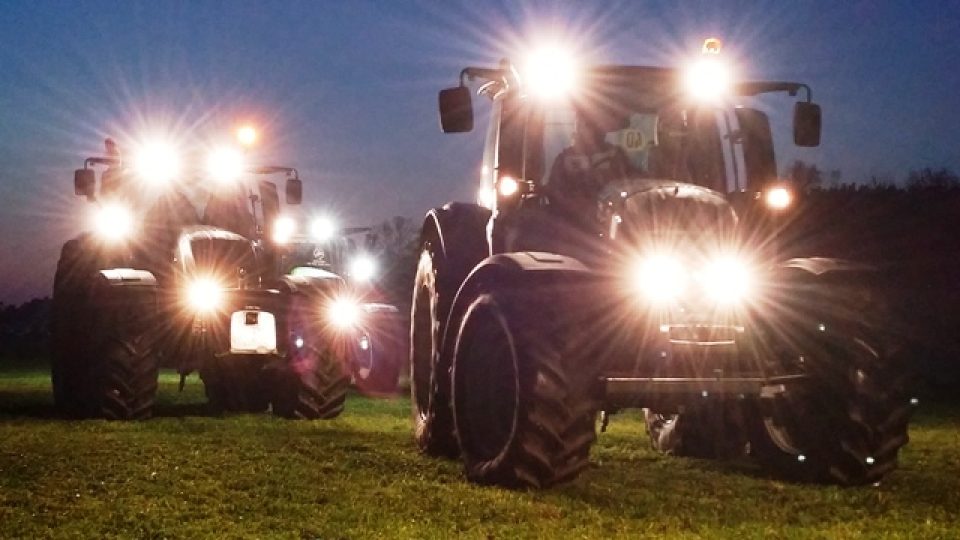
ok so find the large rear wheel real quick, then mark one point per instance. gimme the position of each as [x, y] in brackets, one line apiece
[429, 368]
[70, 328]
[845, 424]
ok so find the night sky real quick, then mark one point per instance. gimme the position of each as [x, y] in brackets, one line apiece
[346, 91]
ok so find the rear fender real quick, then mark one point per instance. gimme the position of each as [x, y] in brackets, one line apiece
[460, 231]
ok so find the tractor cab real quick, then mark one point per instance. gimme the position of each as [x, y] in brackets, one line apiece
[568, 140]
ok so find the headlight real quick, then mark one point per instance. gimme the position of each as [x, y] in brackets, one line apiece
[323, 229]
[204, 295]
[156, 162]
[550, 73]
[283, 229]
[225, 164]
[114, 221]
[660, 278]
[344, 313]
[708, 79]
[778, 198]
[363, 268]
[507, 186]
[727, 280]
[247, 135]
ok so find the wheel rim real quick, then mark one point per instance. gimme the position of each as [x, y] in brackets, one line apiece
[363, 366]
[487, 391]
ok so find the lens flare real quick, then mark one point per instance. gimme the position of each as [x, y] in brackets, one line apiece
[550, 72]
[204, 295]
[778, 198]
[113, 222]
[508, 186]
[283, 229]
[323, 228]
[708, 79]
[727, 280]
[156, 162]
[344, 313]
[363, 268]
[660, 278]
[225, 164]
[247, 135]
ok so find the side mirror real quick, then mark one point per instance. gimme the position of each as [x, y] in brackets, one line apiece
[806, 124]
[85, 182]
[294, 191]
[456, 110]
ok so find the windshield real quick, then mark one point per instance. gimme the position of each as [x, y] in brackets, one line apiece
[626, 132]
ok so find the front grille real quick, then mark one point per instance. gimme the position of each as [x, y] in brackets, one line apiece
[705, 335]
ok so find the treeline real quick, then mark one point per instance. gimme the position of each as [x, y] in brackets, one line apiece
[24, 330]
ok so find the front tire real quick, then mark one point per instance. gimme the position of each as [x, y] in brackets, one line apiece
[379, 356]
[312, 384]
[524, 406]
[714, 431]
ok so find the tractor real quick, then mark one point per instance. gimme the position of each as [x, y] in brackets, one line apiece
[158, 283]
[626, 252]
[378, 333]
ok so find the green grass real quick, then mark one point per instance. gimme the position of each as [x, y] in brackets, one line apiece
[359, 476]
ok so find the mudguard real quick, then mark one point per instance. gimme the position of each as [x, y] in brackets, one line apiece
[823, 265]
[460, 229]
[128, 277]
[317, 282]
[513, 268]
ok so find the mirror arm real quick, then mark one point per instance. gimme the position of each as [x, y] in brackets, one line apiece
[100, 161]
[763, 87]
[469, 74]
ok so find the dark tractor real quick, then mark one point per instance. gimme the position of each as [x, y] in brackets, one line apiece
[625, 254]
[159, 283]
[374, 330]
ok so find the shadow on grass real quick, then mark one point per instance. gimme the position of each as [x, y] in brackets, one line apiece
[38, 404]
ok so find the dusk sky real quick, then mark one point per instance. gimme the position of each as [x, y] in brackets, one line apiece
[346, 91]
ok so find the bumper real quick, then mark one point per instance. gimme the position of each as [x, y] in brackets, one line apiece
[667, 393]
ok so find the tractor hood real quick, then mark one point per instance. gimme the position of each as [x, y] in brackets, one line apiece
[214, 252]
[666, 210]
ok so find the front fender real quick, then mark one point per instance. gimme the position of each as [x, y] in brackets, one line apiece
[523, 269]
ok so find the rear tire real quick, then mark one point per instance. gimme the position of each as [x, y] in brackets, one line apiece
[104, 361]
[70, 362]
[429, 368]
[129, 373]
[845, 425]
[524, 406]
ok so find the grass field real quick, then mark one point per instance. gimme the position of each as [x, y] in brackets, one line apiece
[185, 475]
